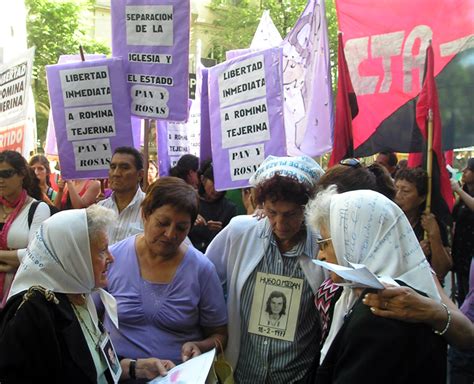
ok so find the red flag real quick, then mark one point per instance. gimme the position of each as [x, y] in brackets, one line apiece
[346, 110]
[385, 54]
[428, 100]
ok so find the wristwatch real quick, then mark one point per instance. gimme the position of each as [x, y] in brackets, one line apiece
[131, 369]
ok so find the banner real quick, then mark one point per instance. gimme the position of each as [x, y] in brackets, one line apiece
[246, 111]
[51, 147]
[15, 78]
[385, 51]
[309, 117]
[175, 139]
[12, 137]
[91, 115]
[346, 110]
[152, 37]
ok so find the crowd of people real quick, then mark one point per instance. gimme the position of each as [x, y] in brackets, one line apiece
[122, 284]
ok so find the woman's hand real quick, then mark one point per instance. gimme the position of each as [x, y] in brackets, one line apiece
[200, 220]
[4, 267]
[152, 367]
[429, 224]
[61, 184]
[259, 213]
[189, 350]
[455, 186]
[401, 303]
[214, 225]
[146, 368]
[425, 246]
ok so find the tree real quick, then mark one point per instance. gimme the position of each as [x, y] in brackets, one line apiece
[55, 29]
[237, 20]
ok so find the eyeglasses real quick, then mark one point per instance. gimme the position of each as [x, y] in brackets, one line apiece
[7, 173]
[323, 243]
[351, 162]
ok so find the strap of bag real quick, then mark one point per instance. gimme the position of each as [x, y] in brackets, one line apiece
[31, 212]
[218, 346]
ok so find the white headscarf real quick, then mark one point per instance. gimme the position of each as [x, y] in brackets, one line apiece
[59, 259]
[302, 168]
[368, 228]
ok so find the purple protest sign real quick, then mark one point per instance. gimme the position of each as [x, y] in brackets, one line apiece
[91, 115]
[137, 131]
[175, 139]
[205, 148]
[152, 36]
[246, 110]
[51, 147]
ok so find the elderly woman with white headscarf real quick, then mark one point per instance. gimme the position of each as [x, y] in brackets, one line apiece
[364, 227]
[49, 330]
[255, 258]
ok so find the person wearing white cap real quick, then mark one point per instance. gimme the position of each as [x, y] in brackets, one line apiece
[49, 328]
[254, 258]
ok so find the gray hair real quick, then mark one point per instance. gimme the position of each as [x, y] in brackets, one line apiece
[98, 219]
[318, 210]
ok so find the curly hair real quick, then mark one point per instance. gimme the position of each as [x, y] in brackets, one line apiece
[416, 176]
[283, 188]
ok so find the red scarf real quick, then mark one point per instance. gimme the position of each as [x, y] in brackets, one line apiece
[17, 205]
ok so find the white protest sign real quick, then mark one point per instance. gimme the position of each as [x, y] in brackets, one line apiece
[15, 77]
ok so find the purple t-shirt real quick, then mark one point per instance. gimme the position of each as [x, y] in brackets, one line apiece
[155, 319]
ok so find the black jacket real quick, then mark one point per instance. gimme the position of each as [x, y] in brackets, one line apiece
[43, 342]
[370, 349]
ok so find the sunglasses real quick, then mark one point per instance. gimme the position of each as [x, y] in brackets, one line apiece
[323, 243]
[7, 173]
[351, 162]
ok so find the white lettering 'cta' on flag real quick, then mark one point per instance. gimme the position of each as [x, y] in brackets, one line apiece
[307, 84]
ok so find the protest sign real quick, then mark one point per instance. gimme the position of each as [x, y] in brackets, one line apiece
[246, 111]
[51, 147]
[205, 151]
[91, 115]
[152, 37]
[175, 139]
[12, 137]
[15, 77]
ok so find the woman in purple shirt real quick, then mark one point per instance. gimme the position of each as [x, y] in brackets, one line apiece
[170, 302]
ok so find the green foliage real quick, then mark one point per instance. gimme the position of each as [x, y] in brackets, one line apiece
[55, 29]
[237, 20]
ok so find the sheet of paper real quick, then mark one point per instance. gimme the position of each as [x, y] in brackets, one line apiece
[357, 274]
[193, 371]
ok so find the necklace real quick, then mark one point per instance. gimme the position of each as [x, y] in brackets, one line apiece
[6, 212]
[92, 335]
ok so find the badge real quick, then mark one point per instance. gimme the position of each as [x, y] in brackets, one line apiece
[108, 351]
[275, 306]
